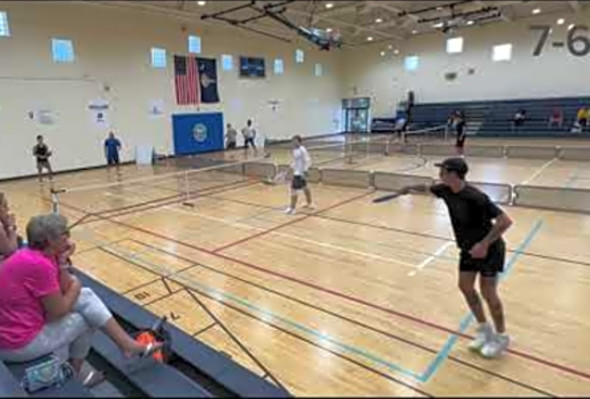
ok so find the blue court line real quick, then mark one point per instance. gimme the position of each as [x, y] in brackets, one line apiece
[572, 177]
[269, 316]
[468, 319]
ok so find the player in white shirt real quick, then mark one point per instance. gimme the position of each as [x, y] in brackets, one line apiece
[300, 166]
[249, 134]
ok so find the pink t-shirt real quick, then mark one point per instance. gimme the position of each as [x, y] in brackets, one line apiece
[25, 277]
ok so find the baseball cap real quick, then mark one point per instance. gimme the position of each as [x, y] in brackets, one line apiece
[457, 165]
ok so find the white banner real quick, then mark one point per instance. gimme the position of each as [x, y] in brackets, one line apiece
[99, 113]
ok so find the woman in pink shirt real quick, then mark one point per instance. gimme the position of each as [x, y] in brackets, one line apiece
[37, 316]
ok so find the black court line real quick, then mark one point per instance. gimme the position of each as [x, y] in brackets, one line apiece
[235, 339]
[202, 330]
[352, 321]
[166, 285]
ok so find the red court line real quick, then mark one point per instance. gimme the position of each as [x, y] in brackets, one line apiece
[350, 298]
[280, 226]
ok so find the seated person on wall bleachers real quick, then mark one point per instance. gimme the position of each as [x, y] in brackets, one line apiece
[519, 119]
[583, 116]
[45, 310]
[556, 118]
[581, 122]
[9, 239]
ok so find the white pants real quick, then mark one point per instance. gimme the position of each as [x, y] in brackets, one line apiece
[69, 337]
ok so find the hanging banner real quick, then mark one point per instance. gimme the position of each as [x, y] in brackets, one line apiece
[156, 109]
[99, 113]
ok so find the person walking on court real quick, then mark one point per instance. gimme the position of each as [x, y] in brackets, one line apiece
[478, 225]
[42, 153]
[301, 164]
[112, 145]
[249, 134]
[459, 124]
[231, 137]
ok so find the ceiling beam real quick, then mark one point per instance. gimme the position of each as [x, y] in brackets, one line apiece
[338, 22]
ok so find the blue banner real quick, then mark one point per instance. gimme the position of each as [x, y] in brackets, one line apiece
[196, 133]
[208, 80]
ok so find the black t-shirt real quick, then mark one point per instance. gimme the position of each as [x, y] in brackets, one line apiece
[471, 213]
[41, 151]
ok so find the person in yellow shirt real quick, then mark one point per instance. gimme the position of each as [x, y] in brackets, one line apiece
[583, 116]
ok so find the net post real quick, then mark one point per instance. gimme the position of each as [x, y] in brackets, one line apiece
[348, 152]
[187, 190]
[55, 200]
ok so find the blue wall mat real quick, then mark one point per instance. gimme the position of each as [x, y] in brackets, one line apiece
[196, 133]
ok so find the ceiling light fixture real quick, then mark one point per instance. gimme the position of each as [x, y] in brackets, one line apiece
[329, 5]
[560, 21]
[536, 11]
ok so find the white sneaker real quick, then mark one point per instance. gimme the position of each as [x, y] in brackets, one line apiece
[495, 346]
[290, 211]
[482, 337]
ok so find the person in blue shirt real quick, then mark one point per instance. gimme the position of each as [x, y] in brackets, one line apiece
[112, 146]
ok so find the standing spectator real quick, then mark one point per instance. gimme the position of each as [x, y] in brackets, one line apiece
[231, 137]
[249, 134]
[42, 153]
[112, 145]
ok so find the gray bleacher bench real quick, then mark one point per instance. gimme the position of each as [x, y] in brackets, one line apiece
[152, 379]
[235, 379]
[9, 385]
[71, 389]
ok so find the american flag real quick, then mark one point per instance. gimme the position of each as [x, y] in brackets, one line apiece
[186, 78]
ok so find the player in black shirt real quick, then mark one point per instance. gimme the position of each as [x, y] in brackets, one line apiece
[42, 153]
[478, 225]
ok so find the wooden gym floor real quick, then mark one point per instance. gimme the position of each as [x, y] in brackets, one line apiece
[352, 298]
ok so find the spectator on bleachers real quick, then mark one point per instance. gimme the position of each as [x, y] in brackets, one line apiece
[41, 312]
[9, 239]
[583, 116]
[518, 119]
[556, 118]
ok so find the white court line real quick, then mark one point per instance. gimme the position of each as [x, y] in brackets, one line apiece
[539, 171]
[294, 237]
[431, 258]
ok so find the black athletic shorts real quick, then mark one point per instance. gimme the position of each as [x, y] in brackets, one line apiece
[490, 266]
[583, 122]
[113, 159]
[460, 141]
[43, 164]
[249, 142]
[231, 145]
[298, 183]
